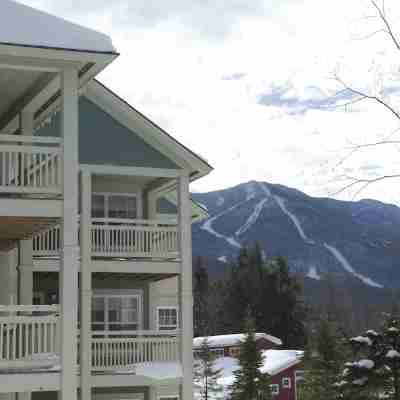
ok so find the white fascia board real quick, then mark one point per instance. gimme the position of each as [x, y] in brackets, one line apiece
[134, 121]
[131, 171]
[39, 208]
[30, 382]
[136, 267]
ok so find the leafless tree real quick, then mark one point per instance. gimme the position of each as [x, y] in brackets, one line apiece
[357, 183]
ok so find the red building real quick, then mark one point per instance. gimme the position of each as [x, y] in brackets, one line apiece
[282, 365]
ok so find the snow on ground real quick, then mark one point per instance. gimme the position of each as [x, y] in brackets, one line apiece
[253, 218]
[202, 205]
[232, 340]
[159, 370]
[346, 265]
[207, 226]
[313, 274]
[275, 361]
[294, 219]
[264, 187]
[250, 191]
[220, 201]
[23, 25]
[223, 259]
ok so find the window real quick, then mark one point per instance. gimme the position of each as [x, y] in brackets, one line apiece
[167, 318]
[274, 389]
[122, 206]
[234, 351]
[286, 383]
[110, 205]
[299, 376]
[217, 352]
[116, 312]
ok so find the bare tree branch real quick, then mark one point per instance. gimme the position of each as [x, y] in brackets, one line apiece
[363, 182]
[370, 97]
[382, 15]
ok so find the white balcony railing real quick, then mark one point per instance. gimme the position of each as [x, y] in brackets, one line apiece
[30, 339]
[27, 331]
[124, 238]
[30, 164]
[113, 350]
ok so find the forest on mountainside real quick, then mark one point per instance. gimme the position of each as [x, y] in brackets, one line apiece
[283, 303]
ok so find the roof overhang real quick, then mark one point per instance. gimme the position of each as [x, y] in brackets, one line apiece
[36, 72]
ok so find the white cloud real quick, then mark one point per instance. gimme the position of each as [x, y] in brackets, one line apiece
[174, 63]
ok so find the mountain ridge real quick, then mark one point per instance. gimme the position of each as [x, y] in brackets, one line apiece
[318, 235]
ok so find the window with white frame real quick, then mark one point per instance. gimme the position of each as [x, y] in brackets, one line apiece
[274, 389]
[167, 318]
[116, 312]
[115, 205]
[286, 383]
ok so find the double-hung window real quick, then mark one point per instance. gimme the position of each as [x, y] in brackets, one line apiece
[167, 318]
[114, 206]
[116, 312]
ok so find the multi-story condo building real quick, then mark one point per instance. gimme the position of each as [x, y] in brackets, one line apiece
[95, 226]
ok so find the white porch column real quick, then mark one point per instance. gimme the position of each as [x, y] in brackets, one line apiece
[69, 262]
[8, 278]
[25, 268]
[152, 393]
[25, 246]
[185, 286]
[86, 286]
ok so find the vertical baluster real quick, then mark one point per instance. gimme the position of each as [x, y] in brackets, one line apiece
[3, 168]
[45, 344]
[20, 338]
[1, 340]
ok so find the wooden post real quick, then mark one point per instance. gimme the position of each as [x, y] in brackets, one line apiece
[26, 246]
[86, 285]
[69, 261]
[185, 285]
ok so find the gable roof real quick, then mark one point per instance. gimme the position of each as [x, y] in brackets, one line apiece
[274, 362]
[26, 26]
[152, 133]
[233, 340]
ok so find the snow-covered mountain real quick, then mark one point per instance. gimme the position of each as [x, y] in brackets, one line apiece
[318, 235]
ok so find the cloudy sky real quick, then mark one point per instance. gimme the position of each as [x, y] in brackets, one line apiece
[250, 84]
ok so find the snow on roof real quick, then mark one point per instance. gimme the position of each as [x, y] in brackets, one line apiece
[27, 26]
[233, 340]
[275, 361]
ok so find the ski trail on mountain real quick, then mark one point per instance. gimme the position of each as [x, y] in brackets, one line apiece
[346, 265]
[252, 219]
[313, 274]
[292, 217]
[207, 226]
[333, 250]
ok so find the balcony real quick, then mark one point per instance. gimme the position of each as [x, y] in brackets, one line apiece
[30, 165]
[29, 341]
[118, 238]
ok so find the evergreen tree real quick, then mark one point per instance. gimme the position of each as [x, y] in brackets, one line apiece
[323, 359]
[374, 371]
[271, 291]
[201, 288]
[205, 374]
[250, 383]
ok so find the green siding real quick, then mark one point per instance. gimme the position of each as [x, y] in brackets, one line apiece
[48, 283]
[104, 141]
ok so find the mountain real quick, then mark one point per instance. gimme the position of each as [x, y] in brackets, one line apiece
[349, 240]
